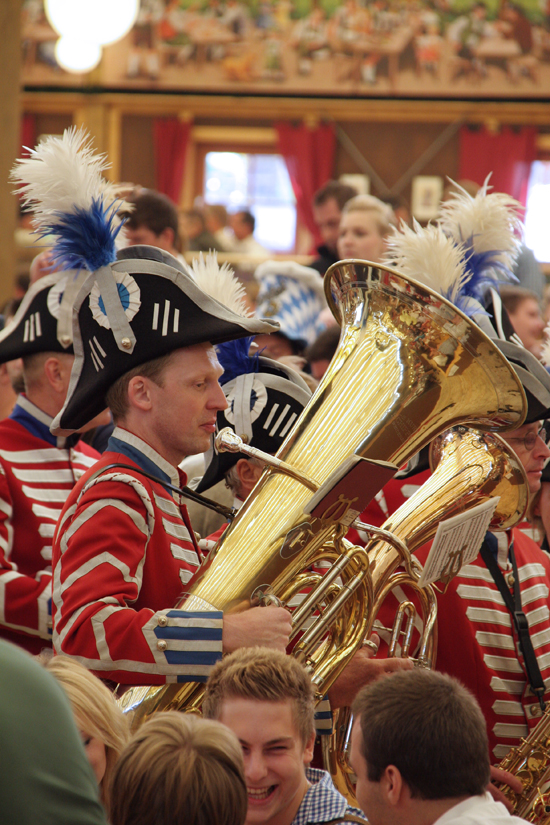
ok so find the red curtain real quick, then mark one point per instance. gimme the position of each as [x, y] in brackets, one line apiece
[309, 157]
[171, 136]
[28, 135]
[508, 154]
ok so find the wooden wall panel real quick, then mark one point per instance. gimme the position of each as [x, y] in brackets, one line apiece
[137, 162]
[391, 135]
[10, 58]
[50, 123]
[392, 148]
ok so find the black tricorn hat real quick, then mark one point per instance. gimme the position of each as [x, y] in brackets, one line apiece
[43, 322]
[532, 374]
[142, 306]
[263, 407]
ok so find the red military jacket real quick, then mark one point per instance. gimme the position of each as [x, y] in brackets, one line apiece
[37, 473]
[123, 555]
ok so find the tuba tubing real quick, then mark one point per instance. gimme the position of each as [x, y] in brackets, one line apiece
[470, 468]
[409, 365]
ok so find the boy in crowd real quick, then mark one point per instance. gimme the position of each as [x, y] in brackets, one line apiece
[266, 698]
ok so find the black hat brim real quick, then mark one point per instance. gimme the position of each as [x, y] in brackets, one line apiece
[534, 378]
[33, 328]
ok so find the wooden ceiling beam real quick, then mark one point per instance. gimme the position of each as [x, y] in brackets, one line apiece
[235, 108]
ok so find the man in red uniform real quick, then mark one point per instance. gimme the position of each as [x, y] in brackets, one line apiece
[124, 549]
[478, 633]
[37, 470]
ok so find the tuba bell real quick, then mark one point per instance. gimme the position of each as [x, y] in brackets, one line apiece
[409, 365]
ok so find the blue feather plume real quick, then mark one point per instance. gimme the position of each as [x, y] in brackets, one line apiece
[235, 360]
[486, 270]
[84, 238]
[62, 182]
[469, 305]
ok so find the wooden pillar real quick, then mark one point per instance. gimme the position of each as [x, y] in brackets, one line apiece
[10, 114]
[94, 117]
[114, 144]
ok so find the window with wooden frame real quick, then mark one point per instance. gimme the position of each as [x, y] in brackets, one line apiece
[247, 174]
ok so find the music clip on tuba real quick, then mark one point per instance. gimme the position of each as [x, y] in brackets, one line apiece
[409, 365]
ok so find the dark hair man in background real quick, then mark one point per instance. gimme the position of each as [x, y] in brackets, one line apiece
[243, 224]
[154, 221]
[328, 203]
[419, 750]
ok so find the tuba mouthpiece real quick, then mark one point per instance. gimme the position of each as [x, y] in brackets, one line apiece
[228, 441]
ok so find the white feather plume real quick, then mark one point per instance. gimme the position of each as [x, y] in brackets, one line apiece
[62, 175]
[428, 256]
[220, 283]
[489, 222]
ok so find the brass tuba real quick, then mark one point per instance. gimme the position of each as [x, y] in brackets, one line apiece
[470, 468]
[409, 365]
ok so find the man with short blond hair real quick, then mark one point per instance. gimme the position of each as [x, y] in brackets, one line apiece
[266, 698]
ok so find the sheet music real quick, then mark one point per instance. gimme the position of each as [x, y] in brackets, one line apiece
[457, 542]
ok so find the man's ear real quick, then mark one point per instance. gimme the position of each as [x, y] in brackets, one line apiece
[167, 236]
[248, 473]
[139, 393]
[308, 750]
[392, 786]
[58, 373]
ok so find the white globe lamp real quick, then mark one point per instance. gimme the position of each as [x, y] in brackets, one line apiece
[99, 21]
[77, 56]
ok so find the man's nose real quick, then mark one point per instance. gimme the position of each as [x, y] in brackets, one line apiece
[255, 768]
[218, 400]
[543, 451]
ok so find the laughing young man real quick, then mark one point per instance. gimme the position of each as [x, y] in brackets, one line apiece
[266, 699]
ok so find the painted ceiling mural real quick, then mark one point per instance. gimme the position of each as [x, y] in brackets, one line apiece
[352, 48]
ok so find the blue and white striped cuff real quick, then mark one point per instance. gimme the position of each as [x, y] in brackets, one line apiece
[186, 644]
[323, 718]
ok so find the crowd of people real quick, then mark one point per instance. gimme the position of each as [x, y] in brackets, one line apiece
[156, 220]
[147, 358]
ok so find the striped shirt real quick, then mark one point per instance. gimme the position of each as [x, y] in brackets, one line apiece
[37, 473]
[123, 555]
[477, 640]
